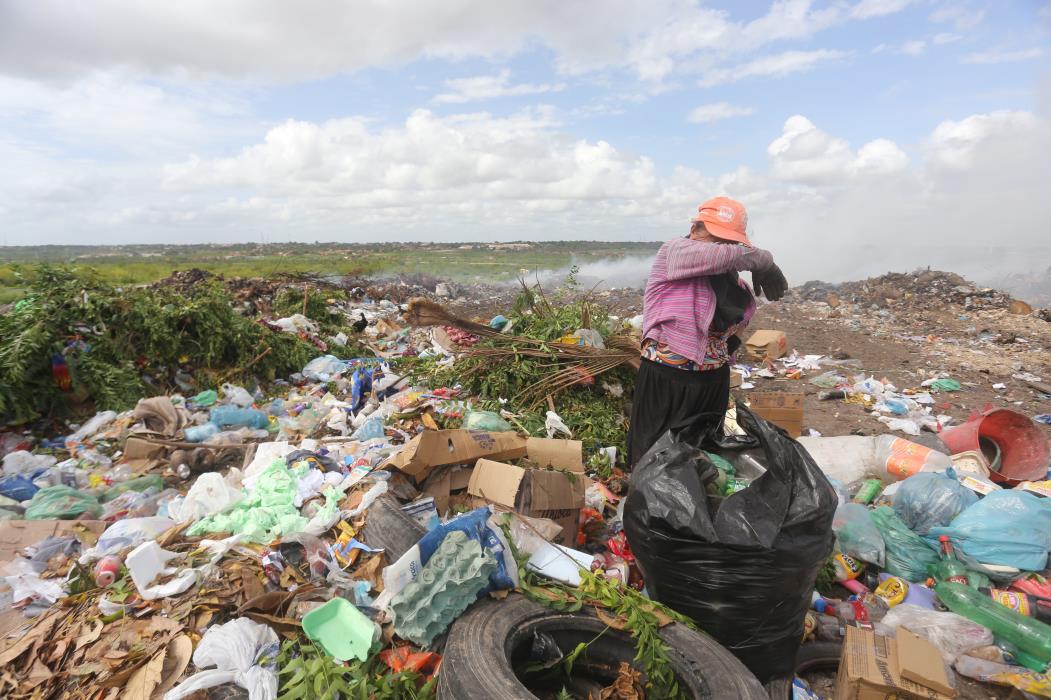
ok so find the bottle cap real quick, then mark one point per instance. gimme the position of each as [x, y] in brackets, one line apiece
[820, 605]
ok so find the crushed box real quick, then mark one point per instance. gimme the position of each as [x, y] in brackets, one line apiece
[435, 448]
[554, 489]
[906, 667]
[782, 408]
[767, 345]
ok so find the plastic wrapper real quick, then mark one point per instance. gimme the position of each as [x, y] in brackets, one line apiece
[62, 503]
[746, 572]
[907, 554]
[489, 421]
[986, 671]
[139, 484]
[126, 533]
[929, 500]
[243, 652]
[951, 633]
[1007, 528]
[857, 534]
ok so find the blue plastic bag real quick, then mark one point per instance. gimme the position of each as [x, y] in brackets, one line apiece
[360, 386]
[475, 524]
[1009, 528]
[929, 499]
[20, 487]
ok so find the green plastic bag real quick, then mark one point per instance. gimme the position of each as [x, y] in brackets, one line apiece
[908, 555]
[205, 398]
[62, 503]
[139, 483]
[489, 421]
[945, 385]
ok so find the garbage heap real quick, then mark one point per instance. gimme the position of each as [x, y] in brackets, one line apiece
[319, 533]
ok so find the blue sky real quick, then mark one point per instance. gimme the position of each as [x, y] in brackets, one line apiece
[837, 123]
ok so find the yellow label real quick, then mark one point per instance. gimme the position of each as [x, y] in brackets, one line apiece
[893, 590]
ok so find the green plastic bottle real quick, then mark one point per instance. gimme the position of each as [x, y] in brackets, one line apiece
[949, 568]
[1029, 635]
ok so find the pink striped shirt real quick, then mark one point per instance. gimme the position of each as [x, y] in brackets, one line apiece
[679, 303]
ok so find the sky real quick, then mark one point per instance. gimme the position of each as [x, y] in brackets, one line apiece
[849, 128]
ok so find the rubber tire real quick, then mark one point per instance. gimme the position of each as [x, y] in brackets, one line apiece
[476, 660]
[812, 655]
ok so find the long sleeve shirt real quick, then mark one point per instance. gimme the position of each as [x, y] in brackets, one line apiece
[679, 303]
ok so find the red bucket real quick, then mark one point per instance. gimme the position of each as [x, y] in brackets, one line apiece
[1024, 451]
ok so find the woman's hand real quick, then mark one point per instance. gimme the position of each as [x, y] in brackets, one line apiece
[770, 282]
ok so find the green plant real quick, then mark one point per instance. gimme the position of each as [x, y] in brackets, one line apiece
[304, 671]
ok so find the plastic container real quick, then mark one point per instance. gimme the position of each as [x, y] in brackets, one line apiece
[231, 416]
[1029, 635]
[200, 433]
[1024, 451]
[902, 458]
[341, 629]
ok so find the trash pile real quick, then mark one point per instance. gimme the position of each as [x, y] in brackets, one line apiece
[321, 532]
[326, 493]
[952, 548]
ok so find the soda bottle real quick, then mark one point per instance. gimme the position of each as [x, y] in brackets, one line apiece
[870, 488]
[1029, 635]
[1020, 602]
[949, 568]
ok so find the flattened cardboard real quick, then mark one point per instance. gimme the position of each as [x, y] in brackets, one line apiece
[873, 667]
[766, 344]
[143, 455]
[443, 482]
[435, 448]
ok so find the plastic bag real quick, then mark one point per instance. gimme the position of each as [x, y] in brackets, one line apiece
[489, 421]
[126, 533]
[324, 368]
[476, 525]
[907, 554]
[209, 494]
[20, 487]
[62, 503]
[139, 483]
[928, 500]
[746, 573]
[235, 649]
[1008, 528]
[22, 462]
[237, 395]
[857, 534]
[951, 633]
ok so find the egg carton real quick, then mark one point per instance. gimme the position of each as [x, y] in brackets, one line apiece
[448, 583]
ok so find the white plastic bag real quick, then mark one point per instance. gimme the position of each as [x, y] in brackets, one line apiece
[126, 533]
[237, 395]
[234, 648]
[951, 633]
[209, 494]
[22, 462]
[554, 424]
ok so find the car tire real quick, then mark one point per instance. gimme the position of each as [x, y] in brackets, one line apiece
[811, 657]
[483, 645]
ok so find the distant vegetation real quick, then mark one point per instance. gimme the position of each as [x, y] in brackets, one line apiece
[142, 264]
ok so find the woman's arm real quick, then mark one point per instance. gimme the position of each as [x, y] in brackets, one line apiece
[690, 258]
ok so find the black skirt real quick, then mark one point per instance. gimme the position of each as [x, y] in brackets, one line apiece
[667, 398]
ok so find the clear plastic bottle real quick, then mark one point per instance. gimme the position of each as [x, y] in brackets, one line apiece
[1029, 635]
[901, 458]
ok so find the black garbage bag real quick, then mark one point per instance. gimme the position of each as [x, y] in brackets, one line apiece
[743, 569]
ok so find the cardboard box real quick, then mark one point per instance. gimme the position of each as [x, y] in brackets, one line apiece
[435, 448]
[782, 408]
[767, 345]
[555, 490]
[874, 667]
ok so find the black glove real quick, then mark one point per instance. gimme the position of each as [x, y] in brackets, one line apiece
[770, 282]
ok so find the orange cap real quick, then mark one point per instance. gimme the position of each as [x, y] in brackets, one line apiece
[724, 218]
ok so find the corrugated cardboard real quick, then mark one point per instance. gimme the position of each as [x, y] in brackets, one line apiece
[16, 535]
[556, 493]
[874, 667]
[782, 408]
[767, 345]
[435, 448]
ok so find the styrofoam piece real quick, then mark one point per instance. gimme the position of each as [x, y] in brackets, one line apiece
[559, 563]
[450, 581]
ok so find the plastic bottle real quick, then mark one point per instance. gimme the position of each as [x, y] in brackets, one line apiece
[949, 568]
[848, 570]
[229, 416]
[818, 602]
[864, 608]
[1021, 603]
[901, 458]
[200, 433]
[1029, 635]
[868, 492]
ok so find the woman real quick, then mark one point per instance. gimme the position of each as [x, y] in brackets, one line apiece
[694, 306]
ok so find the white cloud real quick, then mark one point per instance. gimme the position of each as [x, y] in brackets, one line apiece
[485, 87]
[958, 15]
[777, 65]
[877, 8]
[945, 38]
[909, 48]
[716, 111]
[955, 144]
[806, 154]
[1005, 56]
